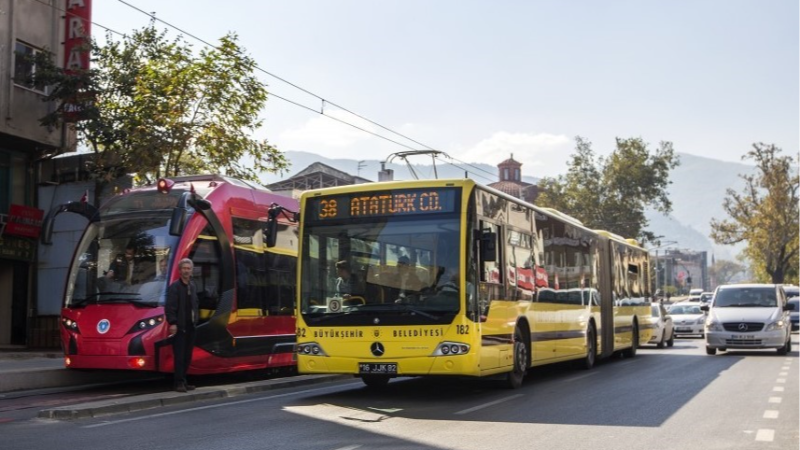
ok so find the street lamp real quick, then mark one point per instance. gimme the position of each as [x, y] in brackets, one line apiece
[659, 245]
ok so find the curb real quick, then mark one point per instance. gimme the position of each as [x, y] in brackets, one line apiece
[171, 398]
[44, 377]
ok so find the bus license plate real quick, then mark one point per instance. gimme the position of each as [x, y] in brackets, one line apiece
[377, 368]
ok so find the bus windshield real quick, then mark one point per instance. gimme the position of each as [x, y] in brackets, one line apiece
[122, 259]
[397, 270]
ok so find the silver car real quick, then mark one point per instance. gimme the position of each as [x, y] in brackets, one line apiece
[748, 316]
[688, 319]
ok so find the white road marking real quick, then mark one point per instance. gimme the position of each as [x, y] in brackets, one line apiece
[486, 405]
[770, 414]
[785, 368]
[777, 389]
[349, 447]
[783, 374]
[781, 380]
[765, 435]
[775, 399]
[579, 377]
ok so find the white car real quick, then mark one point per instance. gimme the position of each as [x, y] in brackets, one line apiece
[688, 318]
[661, 322]
[748, 316]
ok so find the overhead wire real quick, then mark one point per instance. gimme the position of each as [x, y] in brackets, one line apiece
[295, 103]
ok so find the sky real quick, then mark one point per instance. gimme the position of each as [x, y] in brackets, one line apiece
[482, 80]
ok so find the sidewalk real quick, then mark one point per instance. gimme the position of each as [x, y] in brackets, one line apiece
[22, 370]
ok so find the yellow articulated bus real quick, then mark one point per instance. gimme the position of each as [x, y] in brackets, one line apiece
[448, 277]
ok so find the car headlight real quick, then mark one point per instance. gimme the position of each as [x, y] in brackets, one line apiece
[713, 325]
[700, 321]
[777, 325]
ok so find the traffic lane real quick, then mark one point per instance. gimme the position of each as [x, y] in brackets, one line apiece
[642, 391]
[426, 413]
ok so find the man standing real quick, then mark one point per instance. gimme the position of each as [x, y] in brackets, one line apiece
[182, 310]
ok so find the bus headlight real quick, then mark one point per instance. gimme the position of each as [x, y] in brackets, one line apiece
[451, 348]
[310, 349]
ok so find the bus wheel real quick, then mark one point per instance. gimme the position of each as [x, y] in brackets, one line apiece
[631, 352]
[591, 349]
[514, 378]
[375, 381]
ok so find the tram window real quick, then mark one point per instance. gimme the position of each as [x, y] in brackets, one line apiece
[281, 284]
[206, 275]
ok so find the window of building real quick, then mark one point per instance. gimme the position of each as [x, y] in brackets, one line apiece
[25, 67]
[516, 174]
[505, 173]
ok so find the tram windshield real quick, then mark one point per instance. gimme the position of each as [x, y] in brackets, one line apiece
[123, 259]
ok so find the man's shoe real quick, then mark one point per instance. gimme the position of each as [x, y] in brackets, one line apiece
[181, 388]
[190, 387]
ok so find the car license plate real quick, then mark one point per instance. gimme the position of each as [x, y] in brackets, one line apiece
[377, 368]
[743, 336]
[683, 329]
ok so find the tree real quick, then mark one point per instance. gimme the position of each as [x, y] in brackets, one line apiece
[612, 193]
[724, 271]
[766, 215]
[152, 107]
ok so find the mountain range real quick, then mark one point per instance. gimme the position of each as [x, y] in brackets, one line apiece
[697, 191]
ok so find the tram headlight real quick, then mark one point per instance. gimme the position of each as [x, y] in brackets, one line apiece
[146, 324]
[310, 349]
[451, 348]
[70, 325]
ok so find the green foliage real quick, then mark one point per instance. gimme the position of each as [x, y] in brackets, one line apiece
[766, 215]
[153, 107]
[612, 193]
[724, 271]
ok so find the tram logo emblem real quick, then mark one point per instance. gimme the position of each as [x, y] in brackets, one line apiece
[103, 326]
[377, 349]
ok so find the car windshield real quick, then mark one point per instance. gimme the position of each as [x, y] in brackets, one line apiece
[746, 297]
[685, 309]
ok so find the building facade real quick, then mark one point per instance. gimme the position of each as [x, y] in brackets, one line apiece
[26, 28]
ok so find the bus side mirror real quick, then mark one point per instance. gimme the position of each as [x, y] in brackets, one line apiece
[271, 228]
[488, 245]
[271, 232]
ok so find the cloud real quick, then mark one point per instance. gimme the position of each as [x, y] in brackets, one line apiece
[541, 154]
[326, 134]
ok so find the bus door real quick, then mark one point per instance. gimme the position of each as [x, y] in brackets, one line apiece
[496, 331]
[607, 302]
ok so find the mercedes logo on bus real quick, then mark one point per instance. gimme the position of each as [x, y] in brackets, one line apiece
[742, 327]
[377, 349]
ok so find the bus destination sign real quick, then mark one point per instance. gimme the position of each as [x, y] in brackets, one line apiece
[402, 202]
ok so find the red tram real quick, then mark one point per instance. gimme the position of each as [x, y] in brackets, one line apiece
[113, 309]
